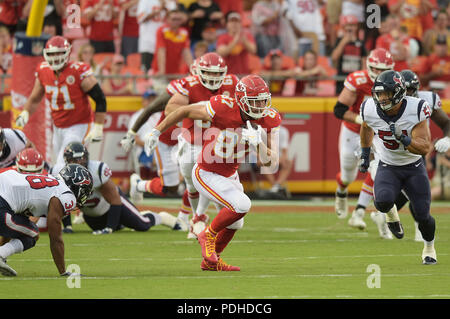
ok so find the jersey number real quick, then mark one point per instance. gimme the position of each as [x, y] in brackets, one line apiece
[38, 181]
[226, 143]
[391, 144]
[54, 92]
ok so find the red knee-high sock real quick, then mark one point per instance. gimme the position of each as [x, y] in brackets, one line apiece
[186, 206]
[224, 218]
[223, 238]
[155, 187]
[368, 185]
[339, 181]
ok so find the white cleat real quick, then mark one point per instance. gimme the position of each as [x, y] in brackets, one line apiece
[356, 220]
[341, 206]
[418, 235]
[181, 225]
[429, 255]
[5, 270]
[380, 220]
[135, 195]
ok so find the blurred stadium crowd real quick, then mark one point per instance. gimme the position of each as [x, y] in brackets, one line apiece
[301, 47]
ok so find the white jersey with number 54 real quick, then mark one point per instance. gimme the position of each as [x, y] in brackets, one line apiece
[30, 194]
[388, 149]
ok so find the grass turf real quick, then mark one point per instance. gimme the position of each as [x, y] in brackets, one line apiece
[283, 252]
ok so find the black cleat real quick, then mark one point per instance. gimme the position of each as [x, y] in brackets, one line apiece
[68, 230]
[396, 229]
[429, 261]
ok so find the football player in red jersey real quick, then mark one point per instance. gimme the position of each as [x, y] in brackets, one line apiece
[66, 87]
[210, 79]
[357, 88]
[237, 125]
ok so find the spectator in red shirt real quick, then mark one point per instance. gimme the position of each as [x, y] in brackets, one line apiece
[235, 45]
[438, 63]
[117, 86]
[5, 49]
[231, 5]
[10, 13]
[172, 46]
[130, 27]
[395, 42]
[101, 15]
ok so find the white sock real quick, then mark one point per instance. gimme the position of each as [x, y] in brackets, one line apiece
[42, 222]
[429, 244]
[341, 190]
[184, 217]
[14, 246]
[364, 199]
[157, 218]
[141, 186]
[194, 202]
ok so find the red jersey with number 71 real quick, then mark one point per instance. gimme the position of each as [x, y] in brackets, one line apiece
[360, 83]
[224, 149]
[68, 103]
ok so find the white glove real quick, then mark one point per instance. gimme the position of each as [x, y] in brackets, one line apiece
[151, 140]
[442, 145]
[251, 135]
[128, 140]
[22, 119]
[96, 133]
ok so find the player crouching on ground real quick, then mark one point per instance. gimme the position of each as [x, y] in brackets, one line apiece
[398, 127]
[236, 126]
[25, 195]
[107, 209]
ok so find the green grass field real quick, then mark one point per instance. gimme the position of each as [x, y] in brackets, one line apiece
[287, 249]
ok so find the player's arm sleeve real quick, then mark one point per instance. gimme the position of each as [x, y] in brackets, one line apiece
[340, 109]
[96, 93]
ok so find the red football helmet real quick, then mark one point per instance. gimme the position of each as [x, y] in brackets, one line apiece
[57, 52]
[30, 161]
[193, 67]
[253, 96]
[211, 70]
[381, 60]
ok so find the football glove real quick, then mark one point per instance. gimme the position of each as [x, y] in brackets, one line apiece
[96, 133]
[252, 136]
[398, 134]
[365, 160]
[22, 119]
[128, 141]
[151, 139]
[442, 145]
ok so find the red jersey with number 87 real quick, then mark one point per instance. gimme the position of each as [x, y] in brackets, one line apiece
[224, 149]
[360, 83]
[63, 93]
[191, 87]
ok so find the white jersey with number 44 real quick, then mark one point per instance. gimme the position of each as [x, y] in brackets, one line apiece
[388, 149]
[30, 194]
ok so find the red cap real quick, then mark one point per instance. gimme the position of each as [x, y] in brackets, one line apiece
[349, 19]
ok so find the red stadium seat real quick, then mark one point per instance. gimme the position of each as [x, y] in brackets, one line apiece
[134, 60]
[254, 63]
[105, 58]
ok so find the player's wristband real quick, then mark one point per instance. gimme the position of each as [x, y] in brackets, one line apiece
[365, 152]
[358, 119]
[406, 140]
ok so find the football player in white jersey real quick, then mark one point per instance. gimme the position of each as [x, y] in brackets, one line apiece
[441, 119]
[11, 143]
[107, 209]
[25, 195]
[396, 125]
